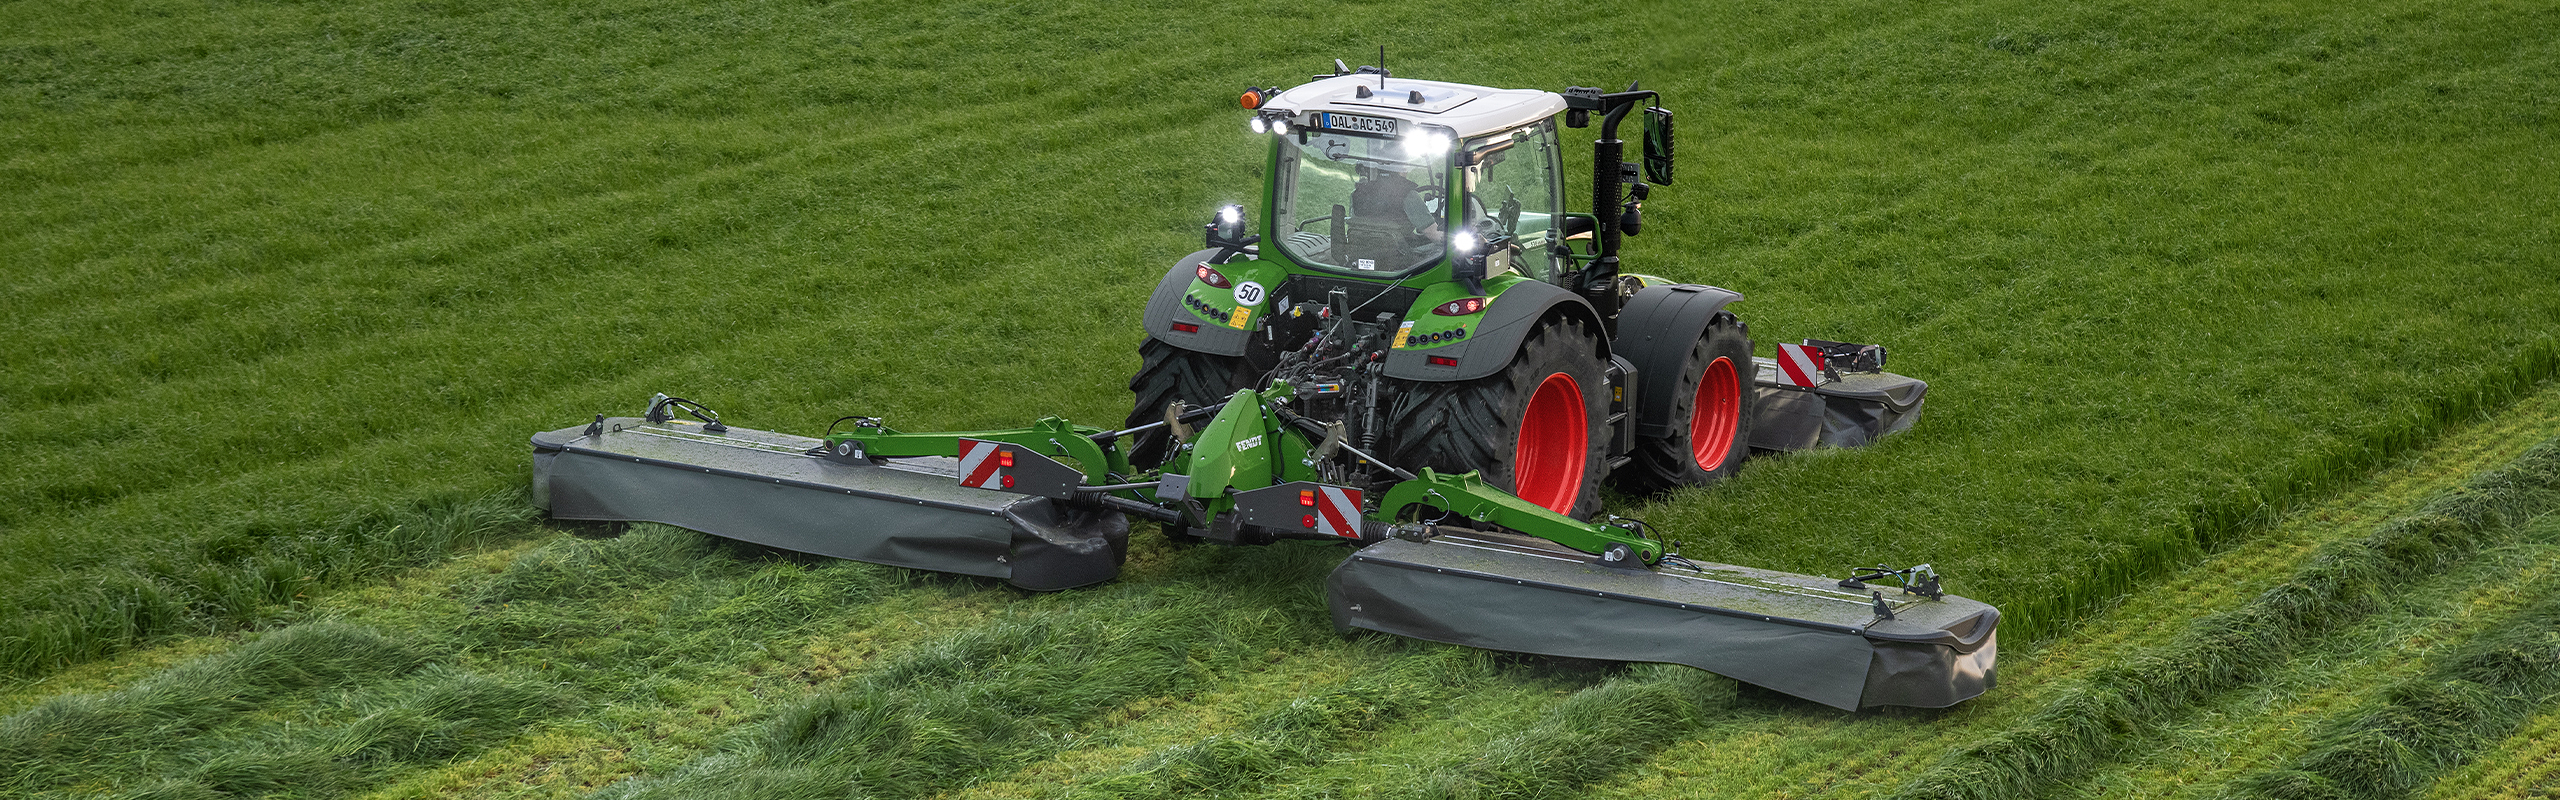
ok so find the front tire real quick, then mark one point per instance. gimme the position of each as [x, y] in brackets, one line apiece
[1711, 414]
[1538, 428]
[1166, 374]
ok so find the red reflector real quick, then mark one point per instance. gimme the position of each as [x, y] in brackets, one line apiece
[1186, 327]
[1306, 497]
[1308, 520]
[1443, 361]
[1008, 481]
[1004, 458]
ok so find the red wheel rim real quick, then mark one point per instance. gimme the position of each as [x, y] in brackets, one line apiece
[1715, 415]
[1546, 466]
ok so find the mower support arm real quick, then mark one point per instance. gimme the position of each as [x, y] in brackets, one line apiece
[1468, 496]
[1051, 436]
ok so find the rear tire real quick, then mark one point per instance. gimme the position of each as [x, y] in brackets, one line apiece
[1538, 428]
[1167, 373]
[1710, 415]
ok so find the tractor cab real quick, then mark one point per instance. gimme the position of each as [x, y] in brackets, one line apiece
[1383, 178]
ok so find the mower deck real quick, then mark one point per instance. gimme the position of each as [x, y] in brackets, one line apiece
[1797, 634]
[764, 487]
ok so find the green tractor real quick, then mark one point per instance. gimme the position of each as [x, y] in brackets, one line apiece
[1414, 349]
[1416, 271]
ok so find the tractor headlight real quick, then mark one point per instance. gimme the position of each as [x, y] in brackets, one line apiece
[1280, 125]
[1427, 143]
[1259, 125]
[1463, 241]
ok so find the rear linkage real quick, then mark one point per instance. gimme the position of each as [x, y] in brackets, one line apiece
[1248, 475]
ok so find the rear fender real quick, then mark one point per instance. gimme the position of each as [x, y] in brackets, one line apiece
[1656, 329]
[1181, 297]
[1508, 320]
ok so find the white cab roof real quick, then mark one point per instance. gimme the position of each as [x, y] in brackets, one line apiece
[1470, 110]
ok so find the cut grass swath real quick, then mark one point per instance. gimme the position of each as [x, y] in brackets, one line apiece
[64, 739]
[1299, 734]
[2465, 700]
[2079, 727]
[944, 715]
[239, 583]
[1592, 735]
[341, 745]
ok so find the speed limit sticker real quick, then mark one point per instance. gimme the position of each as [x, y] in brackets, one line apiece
[1248, 293]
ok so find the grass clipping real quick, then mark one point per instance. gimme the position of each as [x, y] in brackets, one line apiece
[2342, 583]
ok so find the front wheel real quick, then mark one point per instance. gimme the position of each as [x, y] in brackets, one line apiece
[1538, 428]
[1710, 415]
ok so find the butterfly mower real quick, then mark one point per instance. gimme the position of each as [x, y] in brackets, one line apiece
[1414, 348]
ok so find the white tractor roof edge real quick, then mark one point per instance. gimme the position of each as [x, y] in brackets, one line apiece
[1469, 110]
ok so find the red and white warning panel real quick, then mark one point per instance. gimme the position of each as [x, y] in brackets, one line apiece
[1303, 506]
[1801, 365]
[1016, 468]
[1337, 510]
[982, 463]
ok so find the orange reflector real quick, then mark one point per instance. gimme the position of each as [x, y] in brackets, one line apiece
[1308, 520]
[1306, 497]
[1252, 99]
[1004, 458]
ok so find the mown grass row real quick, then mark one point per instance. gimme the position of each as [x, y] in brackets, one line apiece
[606, 628]
[2527, 764]
[2209, 748]
[991, 698]
[1298, 734]
[2448, 714]
[312, 710]
[2343, 583]
[247, 582]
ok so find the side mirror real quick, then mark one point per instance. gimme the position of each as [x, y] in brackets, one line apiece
[1657, 145]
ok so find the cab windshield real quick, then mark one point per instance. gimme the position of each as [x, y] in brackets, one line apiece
[1362, 204]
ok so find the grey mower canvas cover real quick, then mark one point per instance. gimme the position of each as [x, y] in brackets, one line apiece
[762, 487]
[1854, 410]
[1796, 634]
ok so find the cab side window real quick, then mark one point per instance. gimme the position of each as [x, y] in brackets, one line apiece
[1516, 188]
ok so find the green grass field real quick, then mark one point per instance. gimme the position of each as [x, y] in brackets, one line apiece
[2205, 291]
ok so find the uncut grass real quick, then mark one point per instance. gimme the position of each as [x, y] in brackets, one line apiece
[1775, 751]
[2169, 189]
[2339, 587]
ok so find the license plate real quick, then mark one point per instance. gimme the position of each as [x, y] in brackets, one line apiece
[1355, 123]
